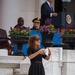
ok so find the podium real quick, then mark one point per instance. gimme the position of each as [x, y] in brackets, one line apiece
[63, 20]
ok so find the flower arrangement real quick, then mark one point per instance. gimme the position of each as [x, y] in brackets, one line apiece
[48, 28]
[15, 31]
[69, 33]
[68, 36]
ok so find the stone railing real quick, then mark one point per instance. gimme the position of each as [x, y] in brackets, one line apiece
[62, 62]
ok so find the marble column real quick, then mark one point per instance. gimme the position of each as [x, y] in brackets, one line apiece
[10, 11]
[40, 3]
[28, 11]
[0, 14]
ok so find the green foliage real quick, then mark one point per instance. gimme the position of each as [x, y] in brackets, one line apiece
[69, 33]
[19, 32]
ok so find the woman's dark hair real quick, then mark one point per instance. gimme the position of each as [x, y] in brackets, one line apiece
[31, 41]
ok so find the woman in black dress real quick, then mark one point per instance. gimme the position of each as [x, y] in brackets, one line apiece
[35, 55]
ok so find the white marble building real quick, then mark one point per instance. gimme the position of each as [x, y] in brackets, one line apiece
[62, 62]
[11, 10]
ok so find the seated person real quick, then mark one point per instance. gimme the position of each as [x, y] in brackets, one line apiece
[20, 24]
[3, 38]
[4, 43]
[36, 24]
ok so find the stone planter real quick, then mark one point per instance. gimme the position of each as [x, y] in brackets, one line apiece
[19, 40]
[69, 40]
[47, 39]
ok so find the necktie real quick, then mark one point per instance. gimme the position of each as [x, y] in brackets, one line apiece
[51, 7]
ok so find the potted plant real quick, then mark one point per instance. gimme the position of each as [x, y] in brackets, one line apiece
[47, 32]
[68, 37]
[19, 37]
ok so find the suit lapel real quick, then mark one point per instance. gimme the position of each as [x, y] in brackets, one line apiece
[48, 7]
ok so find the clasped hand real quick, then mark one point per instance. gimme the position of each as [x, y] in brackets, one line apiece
[42, 51]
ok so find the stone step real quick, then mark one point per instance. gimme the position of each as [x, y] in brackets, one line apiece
[12, 57]
[3, 52]
[11, 61]
[17, 72]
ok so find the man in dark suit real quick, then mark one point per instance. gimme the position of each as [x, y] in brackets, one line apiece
[47, 12]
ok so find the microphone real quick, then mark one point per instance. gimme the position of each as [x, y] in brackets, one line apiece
[66, 0]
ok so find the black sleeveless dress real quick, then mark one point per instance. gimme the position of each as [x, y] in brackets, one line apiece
[36, 67]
